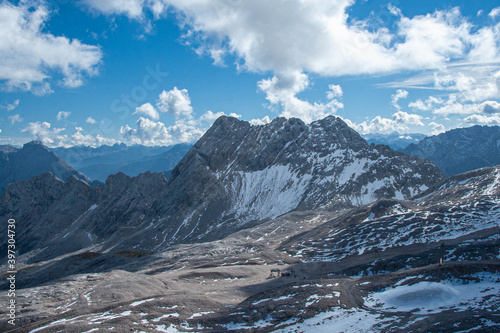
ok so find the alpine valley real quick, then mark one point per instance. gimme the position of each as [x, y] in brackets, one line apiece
[283, 227]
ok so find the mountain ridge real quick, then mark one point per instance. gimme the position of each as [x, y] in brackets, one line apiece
[461, 149]
[32, 160]
[238, 175]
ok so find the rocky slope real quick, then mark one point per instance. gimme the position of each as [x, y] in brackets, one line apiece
[237, 176]
[251, 173]
[31, 160]
[460, 150]
[372, 268]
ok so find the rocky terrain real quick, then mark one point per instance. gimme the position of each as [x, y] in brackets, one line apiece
[374, 268]
[32, 160]
[292, 228]
[460, 150]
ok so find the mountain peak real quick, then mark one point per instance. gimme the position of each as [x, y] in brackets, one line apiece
[33, 159]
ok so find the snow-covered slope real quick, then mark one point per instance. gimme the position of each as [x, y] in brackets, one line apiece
[462, 208]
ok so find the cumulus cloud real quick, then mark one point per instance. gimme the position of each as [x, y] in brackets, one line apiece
[426, 105]
[30, 55]
[15, 119]
[494, 12]
[175, 102]
[62, 115]
[53, 137]
[148, 110]
[437, 128]
[78, 138]
[282, 89]
[404, 118]
[90, 120]
[397, 96]
[400, 123]
[42, 131]
[319, 37]
[210, 117]
[260, 122]
[482, 120]
[186, 127]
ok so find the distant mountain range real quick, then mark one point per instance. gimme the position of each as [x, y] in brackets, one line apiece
[98, 163]
[394, 140]
[31, 160]
[461, 149]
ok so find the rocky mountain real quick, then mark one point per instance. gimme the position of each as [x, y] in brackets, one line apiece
[31, 160]
[461, 149]
[429, 263]
[236, 176]
[394, 140]
[98, 163]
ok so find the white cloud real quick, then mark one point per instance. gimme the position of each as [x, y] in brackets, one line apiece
[78, 138]
[426, 105]
[15, 119]
[494, 12]
[259, 122]
[282, 89]
[437, 128]
[312, 36]
[319, 37]
[186, 127]
[454, 107]
[51, 137]
[404, 118]
[148, 133]
[334, 92]
[62, 115]
[482, 120]
[30, 55]
[90, 120]
[210, 117]
[400, 123]
[130, 8]
[397, 96]
[176, 102]
[148, 110]
[10, 107]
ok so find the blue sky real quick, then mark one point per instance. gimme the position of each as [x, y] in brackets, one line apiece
[159, 72]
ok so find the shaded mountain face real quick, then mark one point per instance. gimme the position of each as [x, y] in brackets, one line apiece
[31, 160]
[98, 163]
[394, 140]
[43, 206]
[237, 176]
[460, 150]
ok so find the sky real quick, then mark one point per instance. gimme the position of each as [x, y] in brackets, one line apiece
[159, 72]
